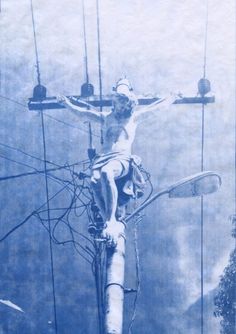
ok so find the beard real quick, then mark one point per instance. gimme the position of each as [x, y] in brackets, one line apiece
[124, 112]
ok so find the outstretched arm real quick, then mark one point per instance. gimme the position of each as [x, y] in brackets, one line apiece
[163, 104]
[88, 114]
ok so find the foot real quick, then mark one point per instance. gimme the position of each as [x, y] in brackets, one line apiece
[112, 232]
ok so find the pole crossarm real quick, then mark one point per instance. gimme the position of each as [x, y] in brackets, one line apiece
[106, 101]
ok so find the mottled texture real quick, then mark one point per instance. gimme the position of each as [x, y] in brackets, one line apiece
[159, 46]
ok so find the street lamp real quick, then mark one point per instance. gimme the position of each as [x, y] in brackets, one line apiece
[195, 185]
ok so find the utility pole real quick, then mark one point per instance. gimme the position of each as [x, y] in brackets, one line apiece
[114, 290]
[110, 298]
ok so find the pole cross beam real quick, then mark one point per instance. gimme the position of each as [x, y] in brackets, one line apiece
[51, 102]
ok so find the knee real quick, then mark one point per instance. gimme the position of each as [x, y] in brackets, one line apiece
[107, 174]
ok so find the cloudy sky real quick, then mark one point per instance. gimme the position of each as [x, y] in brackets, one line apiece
[159, 46]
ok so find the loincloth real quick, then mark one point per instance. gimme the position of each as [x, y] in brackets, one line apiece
[131, 183]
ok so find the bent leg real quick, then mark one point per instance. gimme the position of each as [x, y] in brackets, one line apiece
[97, 193]
[113, 170]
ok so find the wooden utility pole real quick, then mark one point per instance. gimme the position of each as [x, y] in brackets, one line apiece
[110, 317]
[114, 290]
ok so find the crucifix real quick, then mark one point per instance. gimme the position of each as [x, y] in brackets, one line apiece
[115, 173]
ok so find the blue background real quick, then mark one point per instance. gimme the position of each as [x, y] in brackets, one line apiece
[159, 47]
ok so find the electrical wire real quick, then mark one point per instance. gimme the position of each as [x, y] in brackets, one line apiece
[78, 189]
[27, 154]
[64, 218]
[99, 62]
[205, 41]
[137, 220]
[49, 222]
[3, 178]
[23, 164]
[70, 125]
[29, 216]
[202, 168]
[51, 117]
[59, 219]
[14, 101]
[37, 172]
[19, 163]
[64, 242]
[234, 216]
[99, 52]
[85, 44]
[45, 171]
[35, 44]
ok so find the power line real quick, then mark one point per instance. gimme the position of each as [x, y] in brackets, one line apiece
[4, 178]
[99, 61]
[202, 168]
[35, 44]
[18, 162]
[235, 127]
[27, 154]
[70, 125]
[30, 215]
[14, 101]
[85, 44]
[205, 41]
[202, 230]
[51, 117]
[45, 171]
[99, 52]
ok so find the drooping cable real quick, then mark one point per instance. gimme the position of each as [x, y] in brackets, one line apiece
[4, 178]
[12, 100]
[27, 154]
[29, 216]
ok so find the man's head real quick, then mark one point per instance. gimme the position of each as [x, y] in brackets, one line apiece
[124, 100]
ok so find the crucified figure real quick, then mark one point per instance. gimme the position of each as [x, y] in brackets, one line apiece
[116, 161]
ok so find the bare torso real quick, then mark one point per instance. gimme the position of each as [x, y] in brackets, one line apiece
[118, 134]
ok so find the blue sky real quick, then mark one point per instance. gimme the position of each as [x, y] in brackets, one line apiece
[159, 46]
